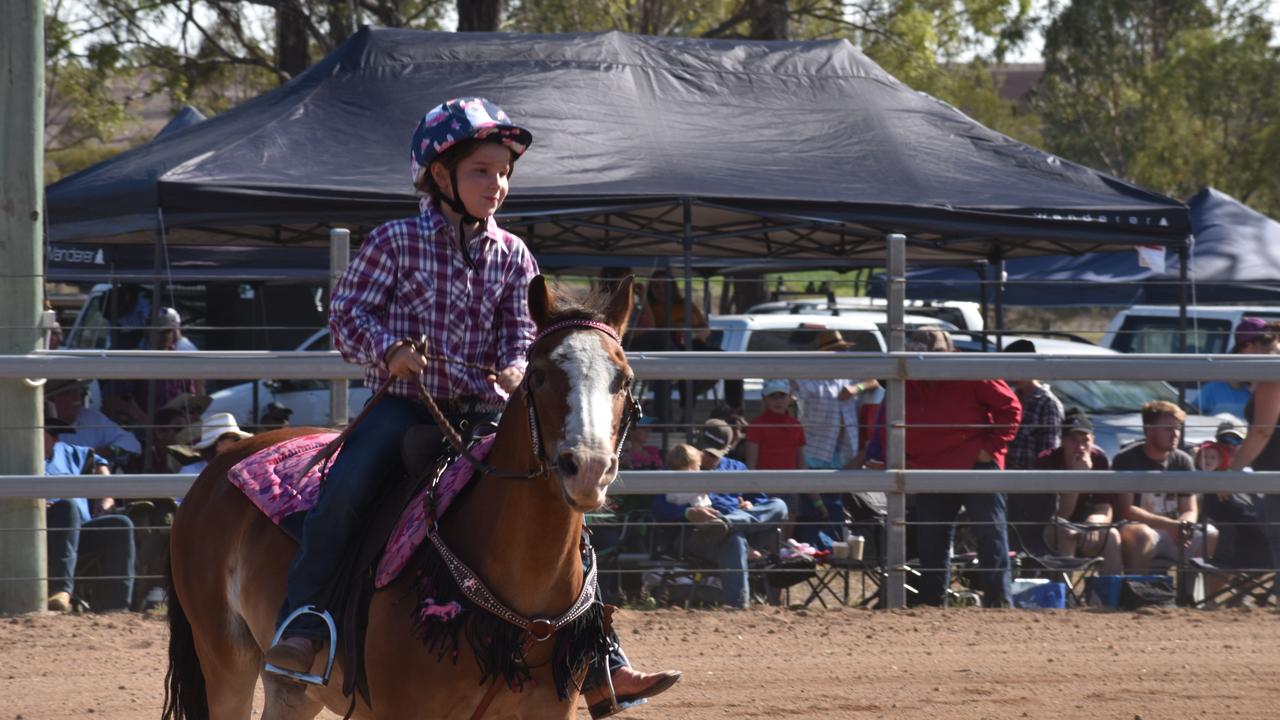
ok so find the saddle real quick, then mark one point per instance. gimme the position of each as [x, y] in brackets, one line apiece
[383, 545]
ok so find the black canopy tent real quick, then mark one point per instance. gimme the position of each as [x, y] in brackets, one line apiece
[643, 147]
[1235, 258]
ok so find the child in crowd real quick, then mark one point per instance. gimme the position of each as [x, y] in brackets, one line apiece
[775, 441]
[639, 454]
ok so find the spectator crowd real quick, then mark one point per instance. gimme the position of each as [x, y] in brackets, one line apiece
[104, 554]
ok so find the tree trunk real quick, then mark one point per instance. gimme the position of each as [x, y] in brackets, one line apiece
[769, 19]
[479, 15]
[293, 52]
[341, 22]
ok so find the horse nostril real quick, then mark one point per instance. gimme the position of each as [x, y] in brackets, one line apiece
[566, 465]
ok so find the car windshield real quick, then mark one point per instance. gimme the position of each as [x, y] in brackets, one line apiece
[793, 339]
[1112, 396]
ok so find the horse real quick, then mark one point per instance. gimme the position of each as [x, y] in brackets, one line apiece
[229, 562]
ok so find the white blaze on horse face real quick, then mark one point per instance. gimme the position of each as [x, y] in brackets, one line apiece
[587, 447]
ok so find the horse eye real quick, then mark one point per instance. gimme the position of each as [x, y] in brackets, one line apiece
[537, 377]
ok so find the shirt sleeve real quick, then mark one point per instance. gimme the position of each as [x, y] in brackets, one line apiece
[1004, 410]
[358, 308]
[517, 326]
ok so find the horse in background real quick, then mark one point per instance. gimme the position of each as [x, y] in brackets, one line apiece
[664, 322]
[561, 429]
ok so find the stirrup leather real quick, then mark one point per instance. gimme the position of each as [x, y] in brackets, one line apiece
[303, 677]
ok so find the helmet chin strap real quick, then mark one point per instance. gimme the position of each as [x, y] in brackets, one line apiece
[459, 207]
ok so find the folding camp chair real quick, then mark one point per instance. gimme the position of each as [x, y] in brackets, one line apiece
[1029, 516]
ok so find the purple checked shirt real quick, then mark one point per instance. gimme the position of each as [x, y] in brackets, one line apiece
[409, 280]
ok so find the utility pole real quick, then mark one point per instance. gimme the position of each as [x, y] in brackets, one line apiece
[22, 541]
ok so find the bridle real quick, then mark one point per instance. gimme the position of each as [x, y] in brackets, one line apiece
[631, 413]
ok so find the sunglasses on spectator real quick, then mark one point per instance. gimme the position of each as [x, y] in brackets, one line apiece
[1230, 440]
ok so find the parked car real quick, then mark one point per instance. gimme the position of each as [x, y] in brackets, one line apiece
[963, 315]
[1114, 405]
[1155, 328]
[309, 399]
[782, 332]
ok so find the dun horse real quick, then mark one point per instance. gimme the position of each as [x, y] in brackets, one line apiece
[521, 537]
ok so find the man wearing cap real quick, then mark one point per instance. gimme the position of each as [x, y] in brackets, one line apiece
[1041, 423]
[89, 426]
[1230, 396]
[1083, 525]
[741, 518]
[274, 416]
[110, 547]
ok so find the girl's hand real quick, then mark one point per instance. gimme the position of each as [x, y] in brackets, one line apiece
[508, 379]
[406, 363]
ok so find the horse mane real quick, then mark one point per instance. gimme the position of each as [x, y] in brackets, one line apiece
[579, 304]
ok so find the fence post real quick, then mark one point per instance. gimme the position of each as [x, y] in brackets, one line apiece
[339, 258]
[895, 417]
[22, 541]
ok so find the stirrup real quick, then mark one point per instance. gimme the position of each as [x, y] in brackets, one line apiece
[612, 705]
[303, 677]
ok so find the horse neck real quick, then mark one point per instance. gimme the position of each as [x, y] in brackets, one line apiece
[519, 535]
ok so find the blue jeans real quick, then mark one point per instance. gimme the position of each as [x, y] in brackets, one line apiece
[731, 554]
[105, 542]
[989, 513]
[368, 465]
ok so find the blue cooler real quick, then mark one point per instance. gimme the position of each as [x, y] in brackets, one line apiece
[1041, 596]
[1104, 590]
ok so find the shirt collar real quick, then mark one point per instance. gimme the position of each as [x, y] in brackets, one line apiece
[435, 222]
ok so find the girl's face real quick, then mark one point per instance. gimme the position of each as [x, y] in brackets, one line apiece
[1210, 459]
[482, 178]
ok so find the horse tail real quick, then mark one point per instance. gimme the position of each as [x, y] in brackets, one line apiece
[184, 688]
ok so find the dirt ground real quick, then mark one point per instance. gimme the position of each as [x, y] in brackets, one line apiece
[774, 663]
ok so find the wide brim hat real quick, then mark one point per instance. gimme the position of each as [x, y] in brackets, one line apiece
[217, 426]
[459, 120]
[831, 340]
[52, 424]
[57, 387]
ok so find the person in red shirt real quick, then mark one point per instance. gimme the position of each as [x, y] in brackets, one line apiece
[960, 425]
[775, 441]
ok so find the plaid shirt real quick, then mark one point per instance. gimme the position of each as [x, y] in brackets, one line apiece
[1040, 429]
[409, 280]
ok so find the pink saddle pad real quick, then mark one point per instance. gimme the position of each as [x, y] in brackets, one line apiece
[269, 478]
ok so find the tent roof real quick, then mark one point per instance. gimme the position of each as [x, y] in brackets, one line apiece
[777, 149]
[1235, 258]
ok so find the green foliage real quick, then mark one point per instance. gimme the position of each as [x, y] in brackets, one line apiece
[1173, 94]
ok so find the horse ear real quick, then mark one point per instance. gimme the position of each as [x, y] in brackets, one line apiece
[541, 302]
[619, 310]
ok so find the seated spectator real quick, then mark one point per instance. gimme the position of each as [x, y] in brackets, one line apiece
[638, 454]
[1161, 525]
[1084, 523]
[218, 432]
[167, 428]
[90, 427]
[775, 441]
[728, 523]
[109, 549]
[274, 416]
[1242, 538]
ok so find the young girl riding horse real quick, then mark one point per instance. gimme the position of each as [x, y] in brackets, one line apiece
[452, 277]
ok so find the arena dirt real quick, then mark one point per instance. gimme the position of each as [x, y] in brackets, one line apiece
[773, 663]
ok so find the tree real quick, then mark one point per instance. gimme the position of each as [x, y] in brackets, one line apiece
[1171, 94]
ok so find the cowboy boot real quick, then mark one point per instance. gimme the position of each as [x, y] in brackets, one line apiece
[296, 654]
[631, 688]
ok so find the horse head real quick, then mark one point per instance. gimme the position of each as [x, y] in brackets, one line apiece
[578, 386]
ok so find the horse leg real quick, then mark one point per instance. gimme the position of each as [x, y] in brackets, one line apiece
[231, 672]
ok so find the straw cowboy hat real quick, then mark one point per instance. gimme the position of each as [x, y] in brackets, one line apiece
[831, 340]
[217, 426]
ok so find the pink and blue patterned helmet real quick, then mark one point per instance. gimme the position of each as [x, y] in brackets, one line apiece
[462, 119]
